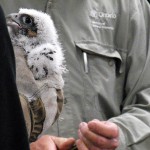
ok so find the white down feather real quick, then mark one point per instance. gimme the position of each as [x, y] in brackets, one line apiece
[47, 37]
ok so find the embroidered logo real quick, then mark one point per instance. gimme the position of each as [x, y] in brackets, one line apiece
[99, 19]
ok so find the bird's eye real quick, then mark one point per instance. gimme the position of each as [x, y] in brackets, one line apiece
[27, 20]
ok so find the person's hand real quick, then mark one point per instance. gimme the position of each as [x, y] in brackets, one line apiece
[47, 142]
[98, 135]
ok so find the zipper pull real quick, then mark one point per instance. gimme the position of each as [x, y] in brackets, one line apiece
[85, 60]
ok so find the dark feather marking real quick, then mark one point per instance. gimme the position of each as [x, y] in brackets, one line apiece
[32, 67]
[51, 52]
[50, 58]
[46, 71]
[37, 70]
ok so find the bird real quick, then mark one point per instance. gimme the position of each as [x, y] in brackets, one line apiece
[40, 65]
[30, 30]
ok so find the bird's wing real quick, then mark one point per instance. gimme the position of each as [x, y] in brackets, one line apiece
[45, 60]
[40, 96]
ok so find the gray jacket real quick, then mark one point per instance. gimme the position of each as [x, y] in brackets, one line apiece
[107, 50]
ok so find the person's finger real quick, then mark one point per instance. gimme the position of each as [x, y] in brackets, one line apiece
[84, 140]
[81, 145]
[33, 146]
[63, 143]
[86, 143]
[43, 143]
[68, 144]
[104, 128]
[87, 146]
[94, 140]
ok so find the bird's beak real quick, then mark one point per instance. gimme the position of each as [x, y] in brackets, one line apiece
[13, 22]
[13, 19]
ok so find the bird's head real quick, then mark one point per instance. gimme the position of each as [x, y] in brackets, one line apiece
[30, 24]
[22, 23]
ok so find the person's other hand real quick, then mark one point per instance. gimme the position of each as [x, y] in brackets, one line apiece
[47, 142]
[98, 135]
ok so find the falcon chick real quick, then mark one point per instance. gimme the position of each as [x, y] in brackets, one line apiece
[40, 64]
[34, 31]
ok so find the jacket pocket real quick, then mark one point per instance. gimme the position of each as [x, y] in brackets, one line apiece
[105, 77]
[105, 51]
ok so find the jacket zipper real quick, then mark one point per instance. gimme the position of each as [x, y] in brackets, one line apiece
[85, 60]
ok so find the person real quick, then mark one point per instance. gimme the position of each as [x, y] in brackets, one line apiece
[107, 88]
[11, 117]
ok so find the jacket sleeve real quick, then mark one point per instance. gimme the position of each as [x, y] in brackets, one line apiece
[134, 123]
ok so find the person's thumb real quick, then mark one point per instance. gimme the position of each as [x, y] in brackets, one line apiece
[63, 143]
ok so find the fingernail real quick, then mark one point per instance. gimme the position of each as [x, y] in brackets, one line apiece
[95, 120]
[82, 124]
[115, 140]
